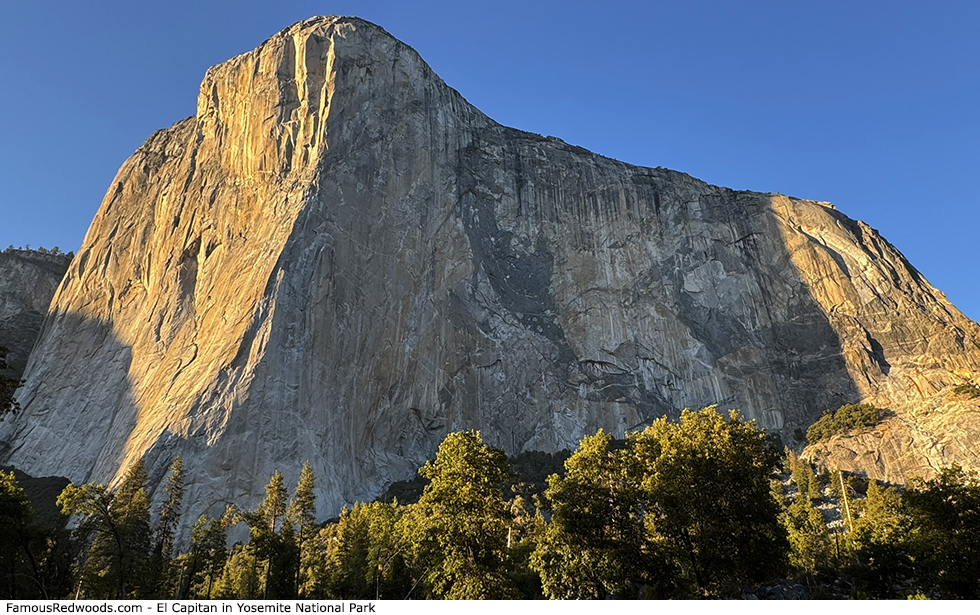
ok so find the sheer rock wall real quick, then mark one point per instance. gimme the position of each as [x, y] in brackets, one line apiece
[338, 259]
[28, 280]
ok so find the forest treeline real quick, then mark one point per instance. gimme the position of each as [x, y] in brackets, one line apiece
[706, 506]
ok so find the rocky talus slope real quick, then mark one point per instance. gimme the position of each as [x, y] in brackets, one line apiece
[339, 259]
[28, 280]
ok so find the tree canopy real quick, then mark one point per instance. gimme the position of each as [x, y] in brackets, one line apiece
[120, 521]
[596, 544]
[686, 508]
[945, 542]
[845, 419]
[706, 483]
[459, 525]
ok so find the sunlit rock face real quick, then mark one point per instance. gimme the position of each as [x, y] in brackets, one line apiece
[338, 259]
[28, 280]
[925, 436]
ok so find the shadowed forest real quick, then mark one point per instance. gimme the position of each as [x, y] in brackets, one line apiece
[705, 507]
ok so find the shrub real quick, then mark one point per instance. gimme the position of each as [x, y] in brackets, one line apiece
[963, 392]
[847, 418]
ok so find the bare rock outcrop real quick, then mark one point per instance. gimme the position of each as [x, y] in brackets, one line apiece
[915, 443]
[339, 259]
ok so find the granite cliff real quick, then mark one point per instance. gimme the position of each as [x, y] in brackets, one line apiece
[28, 280]
[339, 259]
[926, 435]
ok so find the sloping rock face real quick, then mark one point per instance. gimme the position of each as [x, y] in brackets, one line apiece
[338, 259]
[933, 433]
[28, 280]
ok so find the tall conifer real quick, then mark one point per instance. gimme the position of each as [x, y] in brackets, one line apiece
[302, 512]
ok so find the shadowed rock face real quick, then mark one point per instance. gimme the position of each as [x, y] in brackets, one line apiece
[28, 280]
[339, 259]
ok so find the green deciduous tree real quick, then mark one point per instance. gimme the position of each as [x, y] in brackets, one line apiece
[459, 525]
[117, 565]
[596, 544]
[706, 484]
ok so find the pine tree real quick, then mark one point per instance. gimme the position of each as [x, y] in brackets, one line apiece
[365, 555]
[302, 512]
[208, 556]
[167, 525]
[239, 575]
[878, 543]
[273, 508]
[170, 512]
[945, 543]
[803, 477]
[7, 387]
[809, 538]
[195, 572]
[283, 565]
[265, 541]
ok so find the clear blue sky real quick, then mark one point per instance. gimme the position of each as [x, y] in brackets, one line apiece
[874, 106]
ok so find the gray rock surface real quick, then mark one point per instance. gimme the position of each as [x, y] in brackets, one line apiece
[28, 280]
[339, 259]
